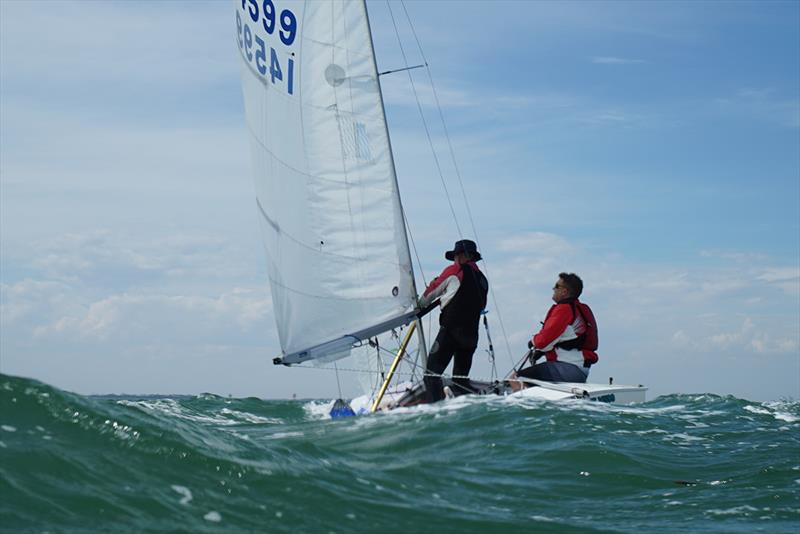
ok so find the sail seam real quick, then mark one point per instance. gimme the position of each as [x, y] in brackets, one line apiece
[321, 297]
[314, 177]
[283, 232]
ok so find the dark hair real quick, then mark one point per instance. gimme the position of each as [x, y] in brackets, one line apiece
[573, 283]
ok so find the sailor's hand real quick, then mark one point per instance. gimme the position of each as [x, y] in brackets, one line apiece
[535, 355]
[530, 343]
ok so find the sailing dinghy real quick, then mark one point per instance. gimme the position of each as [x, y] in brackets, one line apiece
[328, 202]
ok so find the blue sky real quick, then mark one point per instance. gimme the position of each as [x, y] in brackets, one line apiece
[653, 148]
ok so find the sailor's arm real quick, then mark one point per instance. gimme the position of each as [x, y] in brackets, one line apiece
[554, 326]
[446, 284]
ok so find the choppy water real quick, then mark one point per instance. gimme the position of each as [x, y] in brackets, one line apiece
[207, 463]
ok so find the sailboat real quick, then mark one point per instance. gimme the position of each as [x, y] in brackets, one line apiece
[328, 202]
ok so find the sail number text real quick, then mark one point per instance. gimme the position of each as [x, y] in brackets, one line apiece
[255, 48]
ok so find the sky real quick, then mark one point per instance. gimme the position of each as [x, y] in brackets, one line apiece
[651, 147]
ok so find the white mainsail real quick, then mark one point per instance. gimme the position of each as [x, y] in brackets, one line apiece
[332, 223]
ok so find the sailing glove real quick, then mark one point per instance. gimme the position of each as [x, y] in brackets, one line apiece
[535, 355]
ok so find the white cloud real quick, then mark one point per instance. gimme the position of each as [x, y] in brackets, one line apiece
[738, 256]
[105, 259]
[34, 300]
[47, 309]
[758, 338]
[781, 274]
[154, 319]
[763, 104]
[116, 43]
[538, 243]
[785, 278]
[107, 286]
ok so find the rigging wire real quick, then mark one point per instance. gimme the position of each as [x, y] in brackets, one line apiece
[435, 158]
[455, 163]
[412, 374]
[424, 122]
[338, 383]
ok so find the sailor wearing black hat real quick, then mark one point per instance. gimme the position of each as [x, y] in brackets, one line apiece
[461, 289]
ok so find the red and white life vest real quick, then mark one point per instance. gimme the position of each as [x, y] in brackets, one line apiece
[569, 334]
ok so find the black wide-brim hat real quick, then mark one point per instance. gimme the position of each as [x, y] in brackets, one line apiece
[465, 245]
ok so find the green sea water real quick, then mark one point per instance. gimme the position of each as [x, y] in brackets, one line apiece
[696, 463]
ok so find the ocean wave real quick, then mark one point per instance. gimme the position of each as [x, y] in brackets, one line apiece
[204, 463]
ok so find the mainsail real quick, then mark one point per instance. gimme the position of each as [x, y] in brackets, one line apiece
[326, 191]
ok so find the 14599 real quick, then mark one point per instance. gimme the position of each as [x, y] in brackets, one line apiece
[254, 48]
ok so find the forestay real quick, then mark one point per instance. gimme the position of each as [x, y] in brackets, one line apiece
[327, 198]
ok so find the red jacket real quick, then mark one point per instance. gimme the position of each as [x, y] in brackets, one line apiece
[564, 323]
[461, 290]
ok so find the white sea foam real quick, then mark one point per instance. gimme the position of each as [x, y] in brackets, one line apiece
[213, 516]
[683, 437]
[281, 435]
[184, 492]
[745, 509]
[789, 418]
[651, 431]
[776, 409]
[8, 428]
[122, 431]
[172, 408]
[249, 417]
[318, 409]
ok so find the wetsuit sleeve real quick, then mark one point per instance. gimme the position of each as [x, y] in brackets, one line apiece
[447, 282]
[557, 321]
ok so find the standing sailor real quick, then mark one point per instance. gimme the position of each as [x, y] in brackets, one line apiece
[461, 289]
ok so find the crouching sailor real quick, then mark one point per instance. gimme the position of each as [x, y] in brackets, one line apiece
[461, 290]
[567, 340]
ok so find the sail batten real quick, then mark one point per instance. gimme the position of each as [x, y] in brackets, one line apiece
[332, 225]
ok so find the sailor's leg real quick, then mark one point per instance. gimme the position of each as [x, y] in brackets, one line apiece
[554, 372]
[534, 371]
[568, 372]
[461, 366]
[438, 359]
[515, 385]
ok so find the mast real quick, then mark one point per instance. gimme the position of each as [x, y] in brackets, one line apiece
[420, 331]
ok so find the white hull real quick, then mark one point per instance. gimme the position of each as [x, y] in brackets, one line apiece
[551, 391]
[597, 392]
